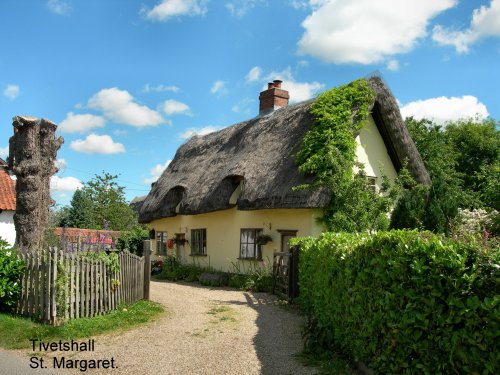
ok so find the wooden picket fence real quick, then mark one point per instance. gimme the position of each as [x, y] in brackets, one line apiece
[57, 286]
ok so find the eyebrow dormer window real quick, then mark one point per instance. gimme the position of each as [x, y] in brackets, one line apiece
[238, 182]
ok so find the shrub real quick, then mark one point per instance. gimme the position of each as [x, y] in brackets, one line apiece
[256, 278]
[133, 240]
[11, 271]
[403, 301]
[173, 270]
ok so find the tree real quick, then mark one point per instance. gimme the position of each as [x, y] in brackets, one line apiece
[101, 204]
[32, 151]
[59, 216]
[478, 159]
[463, 162]
[81, 213]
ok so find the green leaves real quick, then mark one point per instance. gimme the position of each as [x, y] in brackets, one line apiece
[11, 271]
[467, 177]
[329, 154]
[101, 204]
[403, 301]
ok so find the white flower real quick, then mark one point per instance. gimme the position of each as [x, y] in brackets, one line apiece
[8, 253]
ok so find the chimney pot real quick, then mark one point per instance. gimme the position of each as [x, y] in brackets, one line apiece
[272, 98]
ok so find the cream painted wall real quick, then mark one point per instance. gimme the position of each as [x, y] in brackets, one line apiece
[223, 227]
[371, 152]
[223, 233]
[7, 228]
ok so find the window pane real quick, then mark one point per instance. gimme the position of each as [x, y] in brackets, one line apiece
[251, 236]
[243, 251]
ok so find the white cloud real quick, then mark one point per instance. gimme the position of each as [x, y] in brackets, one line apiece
[167, 9]
[80, 123]
[4, 152]
[119, 106]
[12, 91]
[244, 106]
[156, 172]
[443, 109]
[299, 91]
[302, 64]
[64, 184]
[219, 87]
[173, 107]
[59, 6]
[253, 75]
[366, 31]
[299, 4]
[60, 164]
[393, 65]
[159, 88]
[188, 133]
[239, 8]
[485, 23]
[120, 132]
[97, 144]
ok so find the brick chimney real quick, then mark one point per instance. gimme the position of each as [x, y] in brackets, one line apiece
[272, 98]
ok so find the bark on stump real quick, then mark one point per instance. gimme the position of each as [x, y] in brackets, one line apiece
[32, 151]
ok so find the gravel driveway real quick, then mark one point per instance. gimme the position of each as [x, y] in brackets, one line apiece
[207, 331]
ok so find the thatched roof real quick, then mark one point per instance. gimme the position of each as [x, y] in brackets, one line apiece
[206, 170]
[136, 203]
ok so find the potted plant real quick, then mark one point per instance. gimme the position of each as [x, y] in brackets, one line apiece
[263, 239]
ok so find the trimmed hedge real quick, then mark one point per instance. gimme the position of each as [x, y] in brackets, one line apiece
[403, 302]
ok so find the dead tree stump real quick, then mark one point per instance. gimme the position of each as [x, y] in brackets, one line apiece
[32, 151]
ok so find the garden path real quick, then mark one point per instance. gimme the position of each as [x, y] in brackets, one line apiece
[207, 330]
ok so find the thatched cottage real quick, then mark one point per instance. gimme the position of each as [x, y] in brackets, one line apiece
[227, 192]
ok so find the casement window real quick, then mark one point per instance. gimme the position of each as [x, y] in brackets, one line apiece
[199, 241]
[249, 248]
[161, 243]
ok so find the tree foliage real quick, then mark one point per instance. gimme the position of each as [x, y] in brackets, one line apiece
[101, 204]
[463, 160]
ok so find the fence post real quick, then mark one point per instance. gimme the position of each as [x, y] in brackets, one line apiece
[147, 267]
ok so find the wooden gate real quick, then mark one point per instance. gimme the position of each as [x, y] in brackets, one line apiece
[286, 273]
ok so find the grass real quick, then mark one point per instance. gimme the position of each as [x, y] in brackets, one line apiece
[222, 317]
[16, 331]
[223, 313]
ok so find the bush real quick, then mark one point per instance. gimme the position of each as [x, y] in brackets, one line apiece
[133, 240]
[256, 277]
[173, 270]
[11, 271]
[403, 301]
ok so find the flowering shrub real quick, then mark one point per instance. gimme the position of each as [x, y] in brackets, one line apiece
[474, 221]
[11, 270]
[477, 225]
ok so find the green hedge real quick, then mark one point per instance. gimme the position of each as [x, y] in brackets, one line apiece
[403, 302]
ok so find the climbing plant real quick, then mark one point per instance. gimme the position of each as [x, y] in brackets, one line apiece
[329, 154]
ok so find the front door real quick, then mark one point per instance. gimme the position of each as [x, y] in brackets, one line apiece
[180, 240]
[286, 236]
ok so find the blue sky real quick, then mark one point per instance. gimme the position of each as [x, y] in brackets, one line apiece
[130, 81]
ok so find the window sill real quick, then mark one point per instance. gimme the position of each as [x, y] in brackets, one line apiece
[257, 259]
[197, 255]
